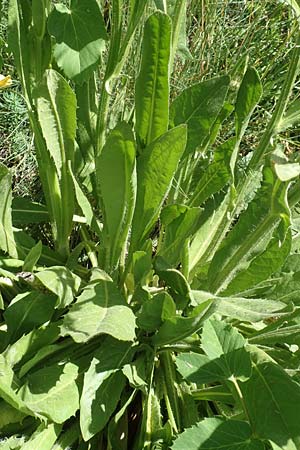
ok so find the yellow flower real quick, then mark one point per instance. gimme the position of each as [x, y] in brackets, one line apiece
[5, 82]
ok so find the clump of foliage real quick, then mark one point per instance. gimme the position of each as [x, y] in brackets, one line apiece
[166, 314]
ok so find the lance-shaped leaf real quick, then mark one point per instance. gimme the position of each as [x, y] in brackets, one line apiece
[100, 309]
[181, 226]
[215, 433]
[241, 263]
[28, 311]
[199, 106]
[240, 308]
[116, 178]
[155, 170]
[7, 243]
[152, 85]
[248, 96]
[225, 357]
[30, 344]
[32, 257]
[56, 107]
[52, 392]
[271, 389]
[80, 34]
[102, 386]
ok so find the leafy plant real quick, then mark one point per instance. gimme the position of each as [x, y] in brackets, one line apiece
[169, 322]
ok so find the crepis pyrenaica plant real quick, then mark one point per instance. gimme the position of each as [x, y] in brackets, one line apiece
[166, 313]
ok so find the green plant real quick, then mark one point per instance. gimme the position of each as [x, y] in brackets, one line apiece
[166, 314]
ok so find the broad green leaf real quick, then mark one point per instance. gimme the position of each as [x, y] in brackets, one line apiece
[80, 34]
[225, 357]
[199, 106]
[25, 211]
[240, 308]
[7, 243]
[154, 311]
[219, 338]
[56, 108]
[177, 328]
[116, 178]
[271, 389]
[241, 263]
[215, 177]
[44, 437]
[155, 170]
[152, 85]
[51, 392]
[100, 309]
[62, 282]
[200, 369]
[28, 311]
[177, 231]
[102, 386]
[215, 434]
[32, 257]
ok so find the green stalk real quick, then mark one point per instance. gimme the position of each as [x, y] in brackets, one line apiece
[86, 238]
[170, 395]
[116, 26]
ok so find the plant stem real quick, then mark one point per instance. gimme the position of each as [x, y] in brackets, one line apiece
[170, 384]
